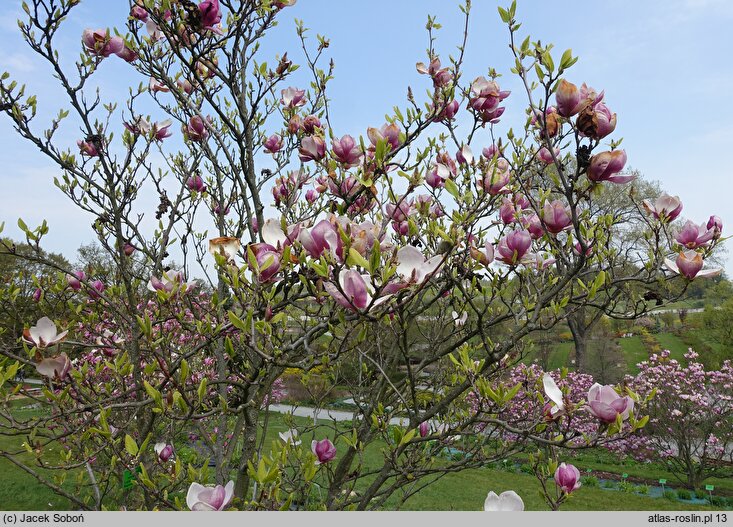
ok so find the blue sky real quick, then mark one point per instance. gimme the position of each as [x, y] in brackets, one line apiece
[665, 67]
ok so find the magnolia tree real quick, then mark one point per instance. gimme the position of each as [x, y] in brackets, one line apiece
[413, 257]
[691, 417]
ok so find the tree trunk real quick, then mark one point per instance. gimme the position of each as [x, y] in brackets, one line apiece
[576, 322]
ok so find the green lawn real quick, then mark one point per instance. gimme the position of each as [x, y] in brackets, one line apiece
[634, 351]
[461, 491]
[20, 490]
[673, 343]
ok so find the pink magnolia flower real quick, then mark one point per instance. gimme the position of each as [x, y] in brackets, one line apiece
[496, 177]
[154, 31]
[196, 183]
[424, 428]
[665, 208]
[268, 261]
[689, 264]
[347, 152]
[139, 12]
[539, 261]
[99, 42]
[716, 225]
[438, 175]
[533, 224]
[693, 236]
[485, 256]
[571, 100]
[388, 132]
[282, 4]
[293, 97]
[200, 498]
[357, 292]
[447, 111]
[96, 288]
[440, 76]
[606, 404]
[596, 121]
[196, 129]
[74, 279]
[490, 152]
[37, 294]
[465, 155]
[171, 281]
[545, 155]
[164, 451]
[87, 148]
[139, 126]
[567, 477]
[162, 130]
[312, 148]
[274, 235]
[210, 13]
[505, 502]
[311, 124]
[324, 236]
[43, 334]
[324, 450]
[127, 54]
[514, 246]
[413, 267]
[606, 165]
[54, 367]
[484, 99]
[273, 144]
[185, 86]
[556, 216]
[156, 86]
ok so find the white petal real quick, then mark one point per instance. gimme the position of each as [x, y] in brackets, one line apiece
[671, 265]
[409, 259]
[511, 501]
[492, 502]
[708, 273]
[44, 329]
[192, 496]
[228, 494]
[273, 234]
[552, 391]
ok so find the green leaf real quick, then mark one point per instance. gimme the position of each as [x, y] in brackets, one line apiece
[236, 321]
[355, 258]
[130, 445]
[452, 188]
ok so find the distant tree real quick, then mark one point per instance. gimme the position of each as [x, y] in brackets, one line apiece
[31, 295]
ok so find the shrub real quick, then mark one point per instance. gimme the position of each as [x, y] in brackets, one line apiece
[670, 495]
[590, 481]
[642, 489]
[684, 494]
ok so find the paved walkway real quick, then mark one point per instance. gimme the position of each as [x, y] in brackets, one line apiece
[327, 413]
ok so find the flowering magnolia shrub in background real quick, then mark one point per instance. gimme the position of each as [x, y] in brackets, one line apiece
[691, 417]
[394, 269]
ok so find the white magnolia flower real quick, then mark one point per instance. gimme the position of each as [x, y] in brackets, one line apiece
[225, 245]
[43, 334]
[414, 267]
[459, 320]
[291, 436]
[554, 393]
[506, 501]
